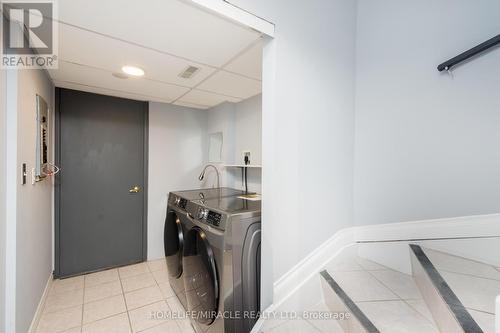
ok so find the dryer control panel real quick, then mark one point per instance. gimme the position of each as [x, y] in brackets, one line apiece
[178, 201]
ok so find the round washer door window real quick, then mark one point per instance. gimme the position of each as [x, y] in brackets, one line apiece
[200, 277]
[173, 241]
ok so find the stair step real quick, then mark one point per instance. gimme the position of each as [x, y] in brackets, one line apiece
[476, 284]
[448, 311]
[389, 299]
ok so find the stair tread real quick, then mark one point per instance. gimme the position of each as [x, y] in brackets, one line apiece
[440, 294]
[475, 284]
[453, 263]
[390, 299]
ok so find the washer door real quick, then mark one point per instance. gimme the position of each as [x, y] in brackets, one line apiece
[173, 243]
[200, 277]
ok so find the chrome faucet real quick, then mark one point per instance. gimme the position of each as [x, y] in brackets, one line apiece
[202, 174]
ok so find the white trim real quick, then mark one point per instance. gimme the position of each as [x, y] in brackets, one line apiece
[268, 123]
[238, 15]
[311, 265]
[39, 308]
[304, 270]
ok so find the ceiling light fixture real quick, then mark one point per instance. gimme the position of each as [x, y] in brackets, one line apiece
[133, 71]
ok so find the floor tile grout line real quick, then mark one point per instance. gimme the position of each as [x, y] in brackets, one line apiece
[455, 256]
[432, 322]
[313, 326]
[466, 274]
[482, 311]
[84, 288]
[162, 300]
[125, 300]
[392, 291]
[83, 305]
[385, 285]
[104, 318]
[405, 300]
[165, 300]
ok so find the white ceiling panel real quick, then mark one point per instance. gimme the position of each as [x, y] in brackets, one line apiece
[198, 97]
[172, 26]
[108, 92]
[84, 47]
[191, 105]
[232, 85]
[249, 63]
[93, 77]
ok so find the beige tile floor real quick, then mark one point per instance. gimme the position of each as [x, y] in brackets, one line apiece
[120, 300]
[389, 298]
[304, 325]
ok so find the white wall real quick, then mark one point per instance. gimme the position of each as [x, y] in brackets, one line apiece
[34, 202]
[248, 137]
[221, 118]
[241, 126]
[426, 143]
[308, 124]
[3, 141]
[177, 151]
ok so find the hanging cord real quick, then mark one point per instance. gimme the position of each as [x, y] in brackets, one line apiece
[448, 70]
[246, 180]
[46, 169]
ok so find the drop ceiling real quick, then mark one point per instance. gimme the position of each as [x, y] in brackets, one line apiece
[163, 37]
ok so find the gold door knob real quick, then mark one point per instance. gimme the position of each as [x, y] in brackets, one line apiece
[135, 189]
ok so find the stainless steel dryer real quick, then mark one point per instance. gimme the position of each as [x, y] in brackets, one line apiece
[222, 264]
[173, 235]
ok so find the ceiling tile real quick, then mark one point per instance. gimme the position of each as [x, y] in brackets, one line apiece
[172, 26]
[249, 63]
[191, 105]
[206, 98]
[232, 85]
[93, 77]
[79, 46]
[108, 92]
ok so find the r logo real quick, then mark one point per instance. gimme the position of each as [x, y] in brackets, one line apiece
[27, 27]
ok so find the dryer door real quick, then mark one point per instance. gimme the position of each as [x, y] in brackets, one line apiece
[173, 242]
[200, 277]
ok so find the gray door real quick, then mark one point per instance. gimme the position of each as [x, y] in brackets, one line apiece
[101, 188]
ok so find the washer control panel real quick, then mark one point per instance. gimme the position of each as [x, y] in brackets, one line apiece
[208, 216]
[214, 218]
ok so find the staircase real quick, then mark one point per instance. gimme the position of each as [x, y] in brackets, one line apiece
[445, 293]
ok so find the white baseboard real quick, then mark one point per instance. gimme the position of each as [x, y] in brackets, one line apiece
[310, 266]
[39, 309]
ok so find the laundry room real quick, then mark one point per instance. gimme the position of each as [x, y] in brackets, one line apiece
[134, 135]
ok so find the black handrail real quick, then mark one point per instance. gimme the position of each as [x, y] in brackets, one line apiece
[469, 53]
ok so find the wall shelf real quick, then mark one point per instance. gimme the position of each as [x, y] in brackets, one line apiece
[242, 166]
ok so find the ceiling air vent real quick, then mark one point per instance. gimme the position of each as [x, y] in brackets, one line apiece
[189, 72]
